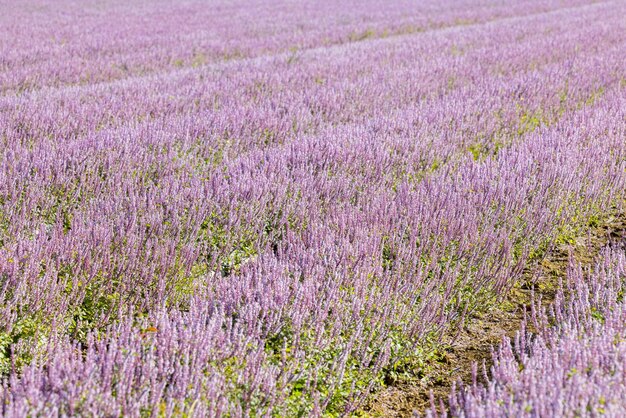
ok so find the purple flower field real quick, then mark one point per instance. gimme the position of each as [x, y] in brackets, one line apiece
[264, 208]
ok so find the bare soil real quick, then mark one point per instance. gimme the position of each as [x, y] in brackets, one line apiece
[485, 329]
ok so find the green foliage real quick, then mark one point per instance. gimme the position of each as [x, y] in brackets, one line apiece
[413, 362]
[222, 247]
[20, 345]
[388, 255]
[529, 121]
[597, 315]
[318, 370]
[96, 305]
[361, 36]
[592, 98]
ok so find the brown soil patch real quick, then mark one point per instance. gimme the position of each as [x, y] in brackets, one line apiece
[486, 329]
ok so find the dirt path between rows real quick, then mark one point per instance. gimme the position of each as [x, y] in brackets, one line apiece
[486, 329]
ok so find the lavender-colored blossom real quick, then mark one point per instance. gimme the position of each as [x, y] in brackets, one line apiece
[255, 208]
